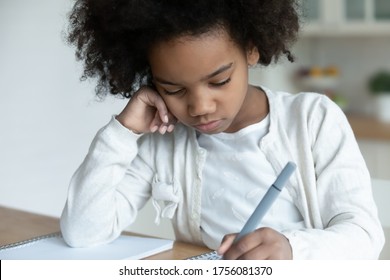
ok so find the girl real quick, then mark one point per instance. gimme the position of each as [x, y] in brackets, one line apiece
[205, 145]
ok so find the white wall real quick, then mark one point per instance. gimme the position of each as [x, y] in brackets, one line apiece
[47, 116]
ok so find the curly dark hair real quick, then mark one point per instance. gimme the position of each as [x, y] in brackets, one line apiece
[113, 37]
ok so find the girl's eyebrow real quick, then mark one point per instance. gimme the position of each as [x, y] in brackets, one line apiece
[220, 70]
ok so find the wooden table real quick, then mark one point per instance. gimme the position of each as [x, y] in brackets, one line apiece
[16, 225]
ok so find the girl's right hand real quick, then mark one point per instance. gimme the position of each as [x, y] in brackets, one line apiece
[146, 112]
[262, 244]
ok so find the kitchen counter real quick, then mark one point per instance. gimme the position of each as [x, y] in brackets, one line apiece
[369, 128]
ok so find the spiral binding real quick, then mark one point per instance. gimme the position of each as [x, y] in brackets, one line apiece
[29, 241]
[207, 256]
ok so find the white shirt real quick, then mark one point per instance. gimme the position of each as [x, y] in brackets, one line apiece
[331, 186]
[232, 192]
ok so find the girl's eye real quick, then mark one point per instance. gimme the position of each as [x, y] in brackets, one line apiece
[179, 91]
[221, 83]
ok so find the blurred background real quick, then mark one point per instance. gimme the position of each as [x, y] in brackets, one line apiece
[48, 118]
[344, 52]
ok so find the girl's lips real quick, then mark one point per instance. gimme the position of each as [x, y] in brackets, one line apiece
[208, 127]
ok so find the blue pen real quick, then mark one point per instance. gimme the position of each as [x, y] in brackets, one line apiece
[267, 201]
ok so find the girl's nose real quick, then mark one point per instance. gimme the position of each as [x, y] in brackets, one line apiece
[200, 103]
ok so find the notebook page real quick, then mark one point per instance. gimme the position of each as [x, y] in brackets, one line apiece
[53, 247]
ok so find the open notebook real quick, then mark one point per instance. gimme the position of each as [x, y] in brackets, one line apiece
[53, 247]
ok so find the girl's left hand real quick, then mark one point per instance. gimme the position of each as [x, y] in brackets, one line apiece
[262, 244]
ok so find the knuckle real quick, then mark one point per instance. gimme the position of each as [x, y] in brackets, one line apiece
[267, 232]
[241, 247]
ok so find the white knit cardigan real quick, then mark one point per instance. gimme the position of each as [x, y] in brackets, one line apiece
[331, 187]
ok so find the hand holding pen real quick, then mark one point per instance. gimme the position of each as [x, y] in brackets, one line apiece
[261, 243]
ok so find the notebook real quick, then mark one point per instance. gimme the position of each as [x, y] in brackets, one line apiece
[53, 247]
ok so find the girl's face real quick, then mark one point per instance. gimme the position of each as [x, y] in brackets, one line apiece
[204, 82]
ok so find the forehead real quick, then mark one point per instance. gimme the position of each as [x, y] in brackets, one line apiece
[187, 57]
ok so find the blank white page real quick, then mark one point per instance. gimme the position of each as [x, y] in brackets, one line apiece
[53, 247]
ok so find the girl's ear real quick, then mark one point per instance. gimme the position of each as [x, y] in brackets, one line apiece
[252, 55]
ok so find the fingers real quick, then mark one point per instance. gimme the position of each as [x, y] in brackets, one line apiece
[262, 244]
[163, 126]
[146, 112]
[163, 120]
[241, 249]
[227, 241]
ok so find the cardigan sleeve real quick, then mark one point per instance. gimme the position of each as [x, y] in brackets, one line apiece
[351, 228]
[104, 193]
